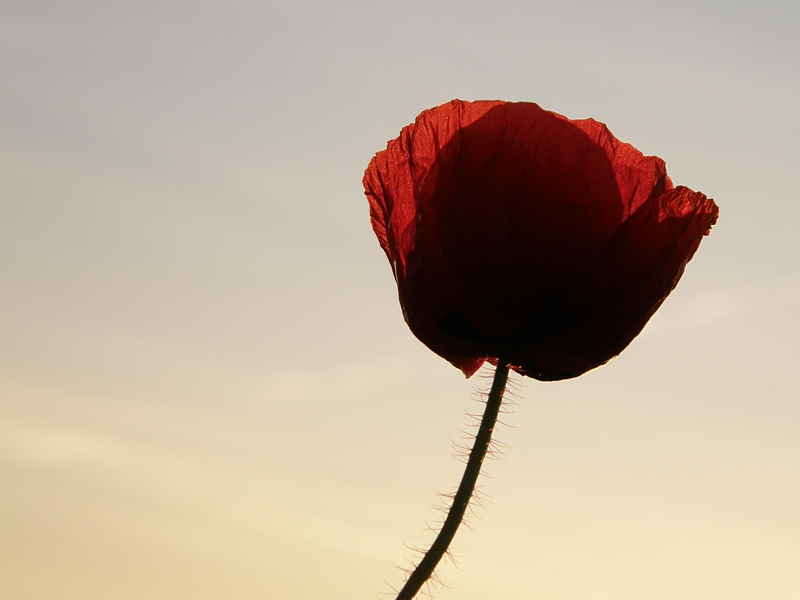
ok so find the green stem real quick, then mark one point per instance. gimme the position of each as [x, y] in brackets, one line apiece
[455, 515]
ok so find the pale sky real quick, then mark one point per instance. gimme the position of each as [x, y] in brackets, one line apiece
[207, 389]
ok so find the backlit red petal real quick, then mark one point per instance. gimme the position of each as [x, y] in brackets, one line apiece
[513, 231]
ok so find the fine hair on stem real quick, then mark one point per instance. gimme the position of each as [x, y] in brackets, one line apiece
[424, 570]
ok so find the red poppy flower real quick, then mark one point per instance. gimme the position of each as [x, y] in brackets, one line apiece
[516, 233]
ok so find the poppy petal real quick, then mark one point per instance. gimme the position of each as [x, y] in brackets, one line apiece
[513, 231]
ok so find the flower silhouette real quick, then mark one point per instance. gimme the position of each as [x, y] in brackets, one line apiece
[516, 233]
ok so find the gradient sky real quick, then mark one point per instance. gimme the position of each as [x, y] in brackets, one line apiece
[207, 389]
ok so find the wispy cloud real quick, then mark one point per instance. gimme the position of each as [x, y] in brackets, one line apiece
[727, 304]
[302, 385]
[56, 445]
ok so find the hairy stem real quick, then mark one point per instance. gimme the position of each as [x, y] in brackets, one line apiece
[455, 515]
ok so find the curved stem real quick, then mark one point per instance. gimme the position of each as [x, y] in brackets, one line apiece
[455, 515]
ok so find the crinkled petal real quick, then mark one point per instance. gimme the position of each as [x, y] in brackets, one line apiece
[515, 232]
